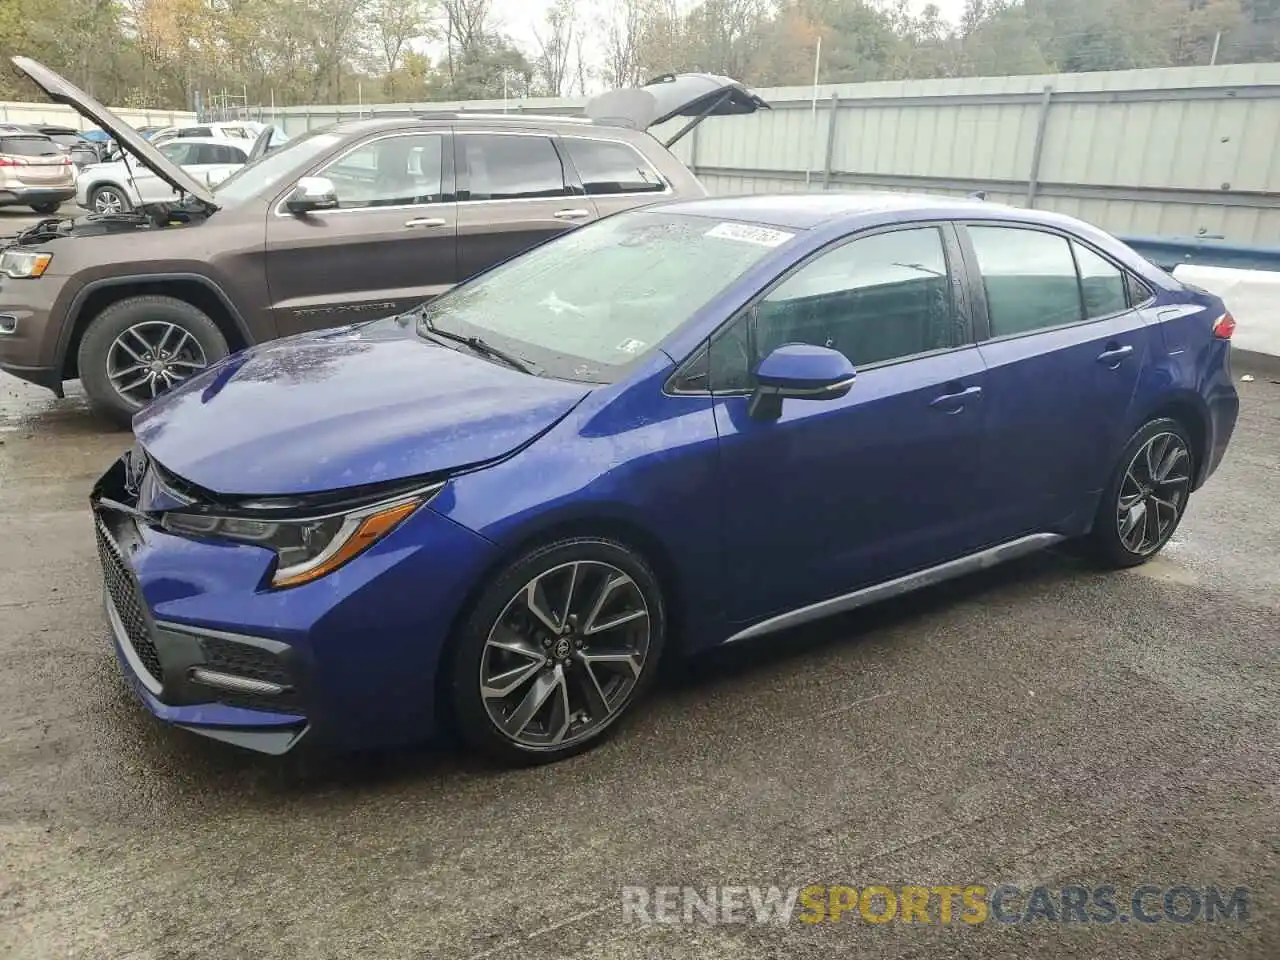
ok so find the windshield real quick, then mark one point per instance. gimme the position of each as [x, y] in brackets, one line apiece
[591, 304]
[271, 168]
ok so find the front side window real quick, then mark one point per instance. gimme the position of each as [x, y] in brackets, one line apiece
[511, 167]
[1029, 277]
[392, 171]
[1102, 283]
[881, 298]
[611, 167]
[590, 304]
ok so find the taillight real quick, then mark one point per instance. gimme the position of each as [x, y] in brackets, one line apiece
[9, 162]
[1225, 326]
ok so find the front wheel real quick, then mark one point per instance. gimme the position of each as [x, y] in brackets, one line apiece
[1147, 496]
[108, 200]
[141, 347]
[559, 647]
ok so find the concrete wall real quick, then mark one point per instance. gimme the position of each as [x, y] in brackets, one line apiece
[11, 112]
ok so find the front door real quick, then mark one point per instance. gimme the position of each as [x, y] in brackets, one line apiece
[514, 192]
[1063, 358]
[839, 494]
[389, 245]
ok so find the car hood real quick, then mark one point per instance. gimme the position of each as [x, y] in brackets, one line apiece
[60, 91]
[345, 408]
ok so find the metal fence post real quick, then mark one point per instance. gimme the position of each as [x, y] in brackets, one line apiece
[1033, 178]
[831, 140]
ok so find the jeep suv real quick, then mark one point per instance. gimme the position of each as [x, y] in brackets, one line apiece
[359, 220]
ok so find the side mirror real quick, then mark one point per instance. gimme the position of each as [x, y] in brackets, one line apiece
[799, 371]
[312, 193]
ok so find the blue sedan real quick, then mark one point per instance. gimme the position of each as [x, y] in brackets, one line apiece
[677, 428]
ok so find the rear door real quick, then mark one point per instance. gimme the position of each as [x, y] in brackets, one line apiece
[1064, 351]
[389, 245]
[514, 192]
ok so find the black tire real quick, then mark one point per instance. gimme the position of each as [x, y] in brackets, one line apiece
[108, 190]
[470, 716]
[103, 330]
[47, 208]
[1106, 542]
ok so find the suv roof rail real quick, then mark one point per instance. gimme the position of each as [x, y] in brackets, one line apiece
[519, 115]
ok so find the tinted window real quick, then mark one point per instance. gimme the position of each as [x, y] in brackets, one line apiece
[392, 171]
[880, 298]
[1102, 284]
[1139, 292]
[607, 167]
[180, 152]
[511, 167]
[32, 146]
[1029, 277]
[221, 153]
[195, 132]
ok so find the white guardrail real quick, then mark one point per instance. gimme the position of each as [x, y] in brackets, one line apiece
[1252, 296]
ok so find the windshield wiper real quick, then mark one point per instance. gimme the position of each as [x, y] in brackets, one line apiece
[477, 345]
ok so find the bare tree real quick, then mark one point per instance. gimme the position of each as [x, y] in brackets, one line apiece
[394, 23]
[467, 24]
[622, 26]
[555, 45]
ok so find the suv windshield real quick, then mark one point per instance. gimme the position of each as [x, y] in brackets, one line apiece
[592, 303]
[271, 168]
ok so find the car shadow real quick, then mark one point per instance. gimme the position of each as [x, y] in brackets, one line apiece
[209, 766]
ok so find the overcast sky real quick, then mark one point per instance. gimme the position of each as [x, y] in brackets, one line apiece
[520, 17]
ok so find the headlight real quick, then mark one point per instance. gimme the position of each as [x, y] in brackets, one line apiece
[24, 264]
[305, 549]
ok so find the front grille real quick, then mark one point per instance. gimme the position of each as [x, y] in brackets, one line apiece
[124, 596]
[245, 660]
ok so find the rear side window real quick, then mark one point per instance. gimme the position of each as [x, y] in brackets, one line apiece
[32, 146]
[609, 167]
[510, 167]
[1029, 278]
[1139, 292]
[1102, 283]
[220, 153]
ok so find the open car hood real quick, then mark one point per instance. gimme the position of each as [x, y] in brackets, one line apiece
[694, 95]
[60, 91]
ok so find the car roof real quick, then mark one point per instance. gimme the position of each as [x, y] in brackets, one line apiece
[805, 211]
[238, 142]
[453, 118]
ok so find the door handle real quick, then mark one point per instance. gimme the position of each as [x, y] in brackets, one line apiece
[954, 402]
[576, 214]
[425, 222]
[1114, 354]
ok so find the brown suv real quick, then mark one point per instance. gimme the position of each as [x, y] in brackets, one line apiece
[359, 220]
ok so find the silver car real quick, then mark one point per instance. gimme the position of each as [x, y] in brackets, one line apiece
[34, 171]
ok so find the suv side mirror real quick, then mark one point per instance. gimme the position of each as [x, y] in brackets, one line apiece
[312, 193]
[799, 371]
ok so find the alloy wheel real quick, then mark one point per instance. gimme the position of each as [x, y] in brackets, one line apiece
[151, 358]
[565, 655]
[108, 201]
[1153, 494]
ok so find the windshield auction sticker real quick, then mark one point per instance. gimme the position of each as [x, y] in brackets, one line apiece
[744, 233]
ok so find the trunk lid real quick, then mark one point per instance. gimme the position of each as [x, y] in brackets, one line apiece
[694, 95]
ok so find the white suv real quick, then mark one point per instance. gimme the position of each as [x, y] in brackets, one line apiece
[120, 186]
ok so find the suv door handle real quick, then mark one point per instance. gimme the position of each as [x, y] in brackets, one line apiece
[1114, 354]
[954, 402]
[425, 222]
[576, 214]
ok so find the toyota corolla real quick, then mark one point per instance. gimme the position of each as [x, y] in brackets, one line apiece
[674, 429]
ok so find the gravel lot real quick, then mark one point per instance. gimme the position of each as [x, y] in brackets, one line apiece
[1040, 724]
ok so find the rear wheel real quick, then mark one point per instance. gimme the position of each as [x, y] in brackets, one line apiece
[109, 199]
[141, 347]
[558, 649]
[1147, 496]
[46, 208]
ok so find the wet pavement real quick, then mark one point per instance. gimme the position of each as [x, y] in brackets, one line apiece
[1042, 724]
